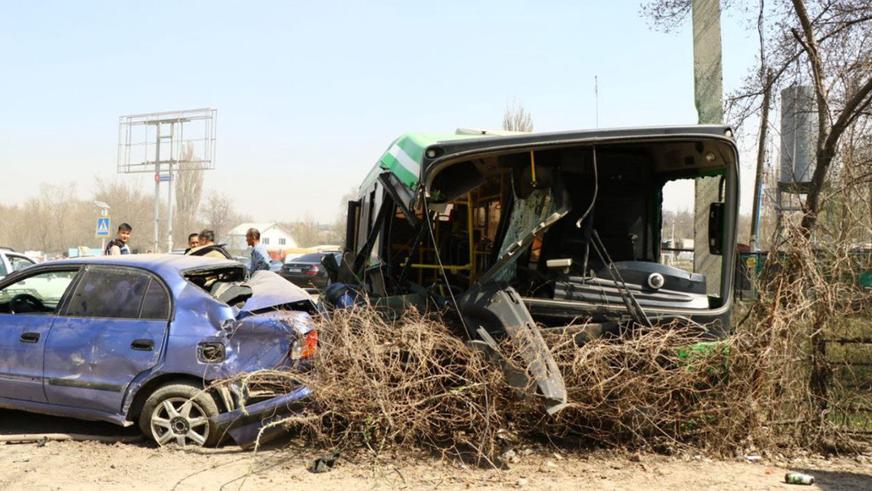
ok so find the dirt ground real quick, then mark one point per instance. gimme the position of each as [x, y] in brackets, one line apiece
[92, 465]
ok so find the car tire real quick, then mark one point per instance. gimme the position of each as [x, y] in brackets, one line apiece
[180, 414]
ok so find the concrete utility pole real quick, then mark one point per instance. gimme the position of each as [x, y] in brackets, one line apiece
[708, 92]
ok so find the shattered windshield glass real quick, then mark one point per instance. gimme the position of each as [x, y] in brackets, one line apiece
[586, 224]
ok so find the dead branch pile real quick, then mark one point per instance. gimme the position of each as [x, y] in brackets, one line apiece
[411, 383]
[809, 295]
[414, 383]
[655, 388]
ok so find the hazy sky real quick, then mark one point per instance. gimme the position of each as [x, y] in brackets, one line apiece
[309, 94]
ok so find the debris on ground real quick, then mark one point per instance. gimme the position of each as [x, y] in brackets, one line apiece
[511, 457]
[798, 478]
[323, 464]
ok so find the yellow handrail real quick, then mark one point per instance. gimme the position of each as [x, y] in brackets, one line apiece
[533, 168]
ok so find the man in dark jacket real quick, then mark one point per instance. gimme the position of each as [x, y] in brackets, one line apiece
[193, 241]
[118, 245]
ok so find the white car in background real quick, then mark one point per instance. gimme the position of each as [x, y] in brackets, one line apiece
[11, 261]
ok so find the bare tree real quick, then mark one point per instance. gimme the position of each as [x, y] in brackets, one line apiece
[38, 211]
[306, 232]
[220, 215]
[516, 118]
[666, 15]
[669, 15]
[827, 43]
[336, 234]
[129, 205]
[189, 192]
[52, 221]
[842, 82]
[10, 232]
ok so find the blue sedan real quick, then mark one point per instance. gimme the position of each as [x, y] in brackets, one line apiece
[139, 339]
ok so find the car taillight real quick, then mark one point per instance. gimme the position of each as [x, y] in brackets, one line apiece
[305, 347]
[312, 271]
[310, 344]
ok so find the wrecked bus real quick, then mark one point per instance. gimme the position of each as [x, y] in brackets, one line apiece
[533, 231]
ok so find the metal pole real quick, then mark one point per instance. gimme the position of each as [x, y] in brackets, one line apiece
[156, 190]
[170, 193]
[170, 210]
[596, 100]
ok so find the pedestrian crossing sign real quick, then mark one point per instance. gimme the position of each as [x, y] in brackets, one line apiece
[103, 227]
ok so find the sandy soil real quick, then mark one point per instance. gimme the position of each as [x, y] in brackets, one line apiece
[91, 465]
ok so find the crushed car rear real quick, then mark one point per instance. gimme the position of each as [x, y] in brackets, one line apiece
[227, 326]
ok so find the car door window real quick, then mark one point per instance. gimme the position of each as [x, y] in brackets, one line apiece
[114, 293]
[20, 262]
[156, 304]
[37, 294]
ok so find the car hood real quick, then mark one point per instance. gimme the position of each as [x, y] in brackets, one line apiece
[269, 290]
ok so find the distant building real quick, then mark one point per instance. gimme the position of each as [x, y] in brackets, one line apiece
[272, 235]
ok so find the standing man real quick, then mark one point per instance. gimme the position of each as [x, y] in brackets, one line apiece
[207, 237]
[259, 256]
[193, 241]
[118, 245]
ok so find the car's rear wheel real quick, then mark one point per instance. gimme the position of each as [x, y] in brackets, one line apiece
[179, 414]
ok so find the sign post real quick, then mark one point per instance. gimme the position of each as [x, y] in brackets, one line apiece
[103, 228]
[104, 223]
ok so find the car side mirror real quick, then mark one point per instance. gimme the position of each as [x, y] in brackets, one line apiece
[716, 228]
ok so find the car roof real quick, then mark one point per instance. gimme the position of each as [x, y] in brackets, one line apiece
[162, 264]
[311, 254]
[18, 254]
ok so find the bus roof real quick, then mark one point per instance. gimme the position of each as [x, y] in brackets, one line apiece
[404, 157]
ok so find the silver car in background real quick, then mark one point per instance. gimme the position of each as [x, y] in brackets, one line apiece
[11, 261]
